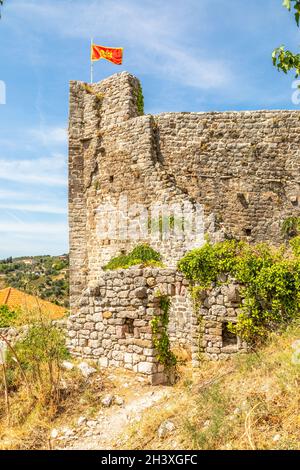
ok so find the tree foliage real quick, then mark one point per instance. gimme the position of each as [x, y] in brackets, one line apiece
[284, 59]
[270, 280]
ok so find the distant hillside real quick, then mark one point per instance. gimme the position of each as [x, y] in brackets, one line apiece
[44, 276]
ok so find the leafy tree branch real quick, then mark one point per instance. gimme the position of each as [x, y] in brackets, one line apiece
[283, 59]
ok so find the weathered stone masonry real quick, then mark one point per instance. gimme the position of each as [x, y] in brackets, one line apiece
[241, 167]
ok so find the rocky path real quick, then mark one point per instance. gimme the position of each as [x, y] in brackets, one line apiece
[117, 413]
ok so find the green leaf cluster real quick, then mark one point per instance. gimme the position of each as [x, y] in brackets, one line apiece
[283, 59]
[270, 279]
[43, 344]
[291, 227]
[7, 316]
[140, 100]
[296, 3]
[141, 254]
[161, 341]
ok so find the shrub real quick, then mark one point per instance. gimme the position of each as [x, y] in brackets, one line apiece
[40, 354]
[295, 245]
[7, 316]
[270, 279]
[203, 265]
[291, 226]
[141, 254]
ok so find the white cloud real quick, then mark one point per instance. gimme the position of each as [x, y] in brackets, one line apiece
[154, 30]
[32, 207]
[49, 135]
[34, 228]
[47, 171]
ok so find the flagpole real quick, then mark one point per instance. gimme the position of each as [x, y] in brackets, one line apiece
[92, 62]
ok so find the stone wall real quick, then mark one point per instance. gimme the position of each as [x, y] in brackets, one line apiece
[240, 168]
[218, 307]
[114, 322]
[113, 326]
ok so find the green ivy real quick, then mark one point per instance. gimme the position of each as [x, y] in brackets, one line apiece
[161, 341]
[140, 100]
[270, 278]
[295, 245]
[203, 265]
[141, 254]
[291, 226]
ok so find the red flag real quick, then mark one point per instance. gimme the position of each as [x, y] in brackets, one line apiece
[113, 54]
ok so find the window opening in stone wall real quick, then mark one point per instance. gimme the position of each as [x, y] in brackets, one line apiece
[111, 179]
[248, 232]
[228, 338]
[129, 328]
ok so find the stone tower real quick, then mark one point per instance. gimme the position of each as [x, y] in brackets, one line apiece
[240, 168]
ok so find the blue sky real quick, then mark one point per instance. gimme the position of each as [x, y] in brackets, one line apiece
[192, 55]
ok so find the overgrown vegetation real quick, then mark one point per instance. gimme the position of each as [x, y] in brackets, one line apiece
[161, 341]
[8, 316]
[250, 402]
[270, 278]
[40, 354]
[140, 100]
[140, 255]
[35, 390]
[291, 227]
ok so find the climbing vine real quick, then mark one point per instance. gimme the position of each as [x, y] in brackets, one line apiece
[140, 100]
[270, 278]
[291, 227]
[161, 341]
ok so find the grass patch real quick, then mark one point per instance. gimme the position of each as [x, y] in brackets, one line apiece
[250, 402]
[141, 255]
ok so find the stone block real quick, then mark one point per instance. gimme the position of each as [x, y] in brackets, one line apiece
[146, 368]
[107, 315]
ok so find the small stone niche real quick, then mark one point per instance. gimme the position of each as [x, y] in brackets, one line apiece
[248, 232]
[129, 326]
[229, 339]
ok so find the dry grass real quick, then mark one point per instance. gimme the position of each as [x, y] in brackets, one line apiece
[250, 402]
[33, 416]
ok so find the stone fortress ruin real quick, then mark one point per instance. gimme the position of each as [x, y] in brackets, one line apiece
[226, 174]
